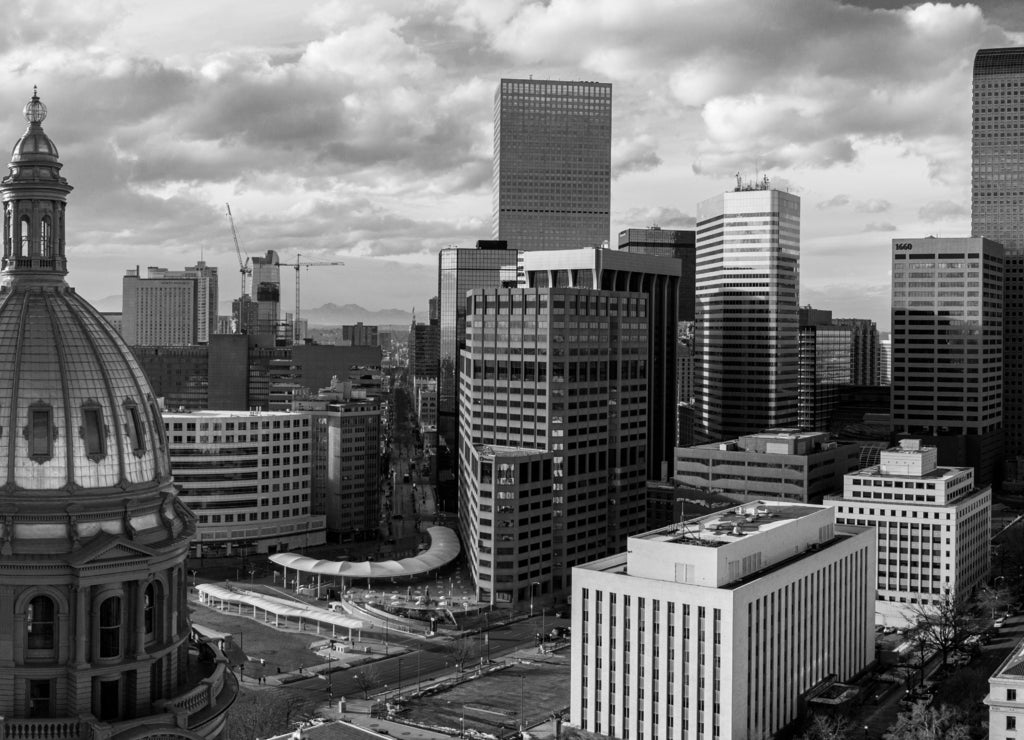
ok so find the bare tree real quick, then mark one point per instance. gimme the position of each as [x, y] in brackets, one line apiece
[366, 679]
[929, 723]
[993, 600]
[945, 624]
[822, 727]
[459, 651]
[265, 713]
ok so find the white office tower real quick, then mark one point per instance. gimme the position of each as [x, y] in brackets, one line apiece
[715, 628]
[748, 278]
[932, 524]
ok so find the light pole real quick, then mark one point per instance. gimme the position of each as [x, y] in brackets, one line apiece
[385, 635]
[522, 702]
[532, 584]
[399, 694]
[194, 574]
[330, 684]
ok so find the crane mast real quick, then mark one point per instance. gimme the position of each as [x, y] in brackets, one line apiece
[297, 264]
[243, 265]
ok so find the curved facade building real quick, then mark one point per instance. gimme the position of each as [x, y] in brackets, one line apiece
[94, 630]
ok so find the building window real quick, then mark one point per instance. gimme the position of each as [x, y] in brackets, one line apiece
[1011, 695]
[40, 698]
[39, 622]
[94, 432]
[110, 627]
[149, 611]
[1011, 723]
[40, 432]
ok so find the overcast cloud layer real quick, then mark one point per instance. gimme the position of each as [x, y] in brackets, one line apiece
[362, 131]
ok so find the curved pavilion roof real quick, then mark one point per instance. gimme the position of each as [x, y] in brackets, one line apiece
[444, 548]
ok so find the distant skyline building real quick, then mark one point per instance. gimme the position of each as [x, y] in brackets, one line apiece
[933, 526]
[748, 280]
[359, 335]
[169, 307]
[865, 361]
[459, 271]
[424, 348]
[719, 627]
[677, 243]
[552, 434]
[947, 349]
[997, 208]
[657, 277]
[265, 289]
[826, 364]
[551, 180]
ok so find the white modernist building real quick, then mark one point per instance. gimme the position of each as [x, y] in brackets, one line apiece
[932, 524]
[716, 627]
[247, 476]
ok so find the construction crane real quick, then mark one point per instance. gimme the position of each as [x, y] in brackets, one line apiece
[243, 265]
[297, 264]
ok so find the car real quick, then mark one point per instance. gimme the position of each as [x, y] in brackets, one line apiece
[889, 631]
[998, 624]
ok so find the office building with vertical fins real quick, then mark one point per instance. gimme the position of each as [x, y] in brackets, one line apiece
[997, 212]
[748, 275]
[551, 181]
[719, 626]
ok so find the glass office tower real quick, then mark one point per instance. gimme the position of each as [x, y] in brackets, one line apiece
[748, 277]
[551, 182]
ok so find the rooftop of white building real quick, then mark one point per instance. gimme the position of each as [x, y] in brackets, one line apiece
[731, 525]
[232, 414]
[1013, 666]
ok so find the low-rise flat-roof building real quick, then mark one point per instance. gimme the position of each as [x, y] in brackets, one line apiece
[718, 626]
[780, 463]
[933, 527]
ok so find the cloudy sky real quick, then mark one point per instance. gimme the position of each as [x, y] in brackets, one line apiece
[362, 131]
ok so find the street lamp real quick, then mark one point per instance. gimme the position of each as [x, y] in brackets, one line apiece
[532, 584]
[399, 694]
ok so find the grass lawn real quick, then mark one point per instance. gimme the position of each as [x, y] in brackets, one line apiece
[492, 704]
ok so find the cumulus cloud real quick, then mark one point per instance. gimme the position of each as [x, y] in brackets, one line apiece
[943, 210]
[636, 155]
[836, 201]
[875, 205]
[879, 226]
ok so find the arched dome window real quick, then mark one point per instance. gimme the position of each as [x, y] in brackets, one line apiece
[150, 612]
[45, 238]
[40, 624]
[25, 237]
[135, 429]
[110, 627]
[94, 431]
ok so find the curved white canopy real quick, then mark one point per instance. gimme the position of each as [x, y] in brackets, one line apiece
[277, 606]
[444, 548]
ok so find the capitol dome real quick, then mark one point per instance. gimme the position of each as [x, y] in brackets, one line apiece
[93, 538]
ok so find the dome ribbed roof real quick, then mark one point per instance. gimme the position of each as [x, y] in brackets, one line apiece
[68, 362]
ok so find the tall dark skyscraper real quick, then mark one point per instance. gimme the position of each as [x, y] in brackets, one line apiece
[997, 208]
[461, 270]
[947, 358]
[551, 184]
[669, 243]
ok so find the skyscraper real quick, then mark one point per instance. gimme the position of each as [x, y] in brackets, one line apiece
[997, 207]
[668, 243]
[551, 182]
[748, 275]
[551, 434]
[657, 277]
[947, 348]
[864, 349]
[459, 271]
[266, 291]
[825, 365]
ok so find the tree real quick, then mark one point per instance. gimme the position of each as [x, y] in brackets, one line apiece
[993, 600]
[945, 624]
[367, 678]
[265, 713]
[828, 728]
[929, 723]
[459, 651]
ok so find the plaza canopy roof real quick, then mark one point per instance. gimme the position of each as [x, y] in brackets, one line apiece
[278, 607]
[444, 548]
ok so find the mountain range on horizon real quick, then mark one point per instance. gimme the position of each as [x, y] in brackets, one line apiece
[329, 314]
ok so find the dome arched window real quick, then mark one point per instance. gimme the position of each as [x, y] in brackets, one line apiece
[40, 621]
[134, 427]
[45, 237]
[94, 431]
[40, 432]
[25, 236]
